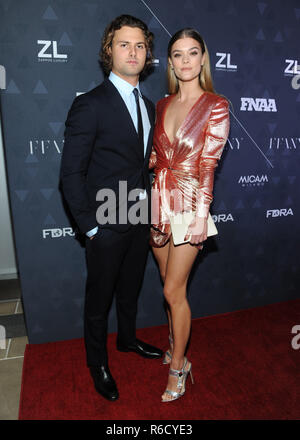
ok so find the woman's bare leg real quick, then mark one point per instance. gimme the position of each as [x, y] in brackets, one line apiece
[179, 264]
[161, 255]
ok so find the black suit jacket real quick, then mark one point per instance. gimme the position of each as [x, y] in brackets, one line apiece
[101, 149]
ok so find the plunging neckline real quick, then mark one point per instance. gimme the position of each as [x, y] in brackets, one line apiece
[184, 120]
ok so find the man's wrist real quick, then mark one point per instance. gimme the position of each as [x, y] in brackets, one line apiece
[92, 232]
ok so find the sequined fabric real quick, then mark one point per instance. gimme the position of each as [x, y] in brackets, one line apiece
[184, 168]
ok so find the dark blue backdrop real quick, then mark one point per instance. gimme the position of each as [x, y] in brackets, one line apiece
[50, 52]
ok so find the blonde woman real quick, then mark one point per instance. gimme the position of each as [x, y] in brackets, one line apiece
[192, 126]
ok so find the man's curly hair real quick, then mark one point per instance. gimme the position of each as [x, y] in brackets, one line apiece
[116, 24]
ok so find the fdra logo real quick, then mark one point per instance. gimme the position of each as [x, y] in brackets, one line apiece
[218, 218]
[258, 105]
[49, 52]
[58, 233]
[224, 62]
[279, 212]
[253, 180]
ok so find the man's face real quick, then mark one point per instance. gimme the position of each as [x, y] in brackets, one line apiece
[128, 53]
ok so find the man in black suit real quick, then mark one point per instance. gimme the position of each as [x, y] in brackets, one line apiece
[108, 140]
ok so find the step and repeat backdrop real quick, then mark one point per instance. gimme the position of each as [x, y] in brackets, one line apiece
[49, 51]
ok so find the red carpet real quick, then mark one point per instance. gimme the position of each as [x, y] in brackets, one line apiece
[243, 363]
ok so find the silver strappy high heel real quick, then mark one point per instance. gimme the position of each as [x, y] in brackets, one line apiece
[168, 354]
[182, 376]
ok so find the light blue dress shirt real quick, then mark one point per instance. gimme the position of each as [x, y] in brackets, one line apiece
[126, 91]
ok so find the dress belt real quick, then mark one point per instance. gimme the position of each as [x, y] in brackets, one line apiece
[190, 171]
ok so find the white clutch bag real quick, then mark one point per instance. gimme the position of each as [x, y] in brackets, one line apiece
[180, 223]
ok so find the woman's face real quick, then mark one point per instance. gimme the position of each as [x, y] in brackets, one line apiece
[186, 58]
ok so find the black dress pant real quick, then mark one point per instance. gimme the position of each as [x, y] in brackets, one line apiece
[115, 264]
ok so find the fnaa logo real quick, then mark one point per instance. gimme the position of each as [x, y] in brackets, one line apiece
[49, 52]
[258, 105]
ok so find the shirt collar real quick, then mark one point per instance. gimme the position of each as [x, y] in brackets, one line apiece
[123, 85]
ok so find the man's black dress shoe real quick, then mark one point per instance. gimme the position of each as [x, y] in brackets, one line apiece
[141, 348]
[104, 382]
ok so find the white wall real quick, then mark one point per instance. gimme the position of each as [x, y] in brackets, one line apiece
[7, 253]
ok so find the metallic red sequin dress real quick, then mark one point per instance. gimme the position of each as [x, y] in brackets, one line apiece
[185, 167]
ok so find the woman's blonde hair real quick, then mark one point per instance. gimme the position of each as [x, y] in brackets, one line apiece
[205, 78]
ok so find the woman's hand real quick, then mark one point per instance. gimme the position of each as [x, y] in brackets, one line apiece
[197, 230]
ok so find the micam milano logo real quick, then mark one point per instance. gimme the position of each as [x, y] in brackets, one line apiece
[224, 62]
[258, 104]
[253, 180]
[49, 52]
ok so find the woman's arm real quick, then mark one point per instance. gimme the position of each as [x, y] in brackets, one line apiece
[215, 140]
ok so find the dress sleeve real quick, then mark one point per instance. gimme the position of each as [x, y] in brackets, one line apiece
[215, 140]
